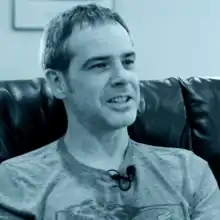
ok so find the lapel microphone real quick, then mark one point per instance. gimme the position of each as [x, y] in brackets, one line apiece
[124, 182]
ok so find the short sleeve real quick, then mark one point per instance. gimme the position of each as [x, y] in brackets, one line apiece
[206, 197]
[9, 193]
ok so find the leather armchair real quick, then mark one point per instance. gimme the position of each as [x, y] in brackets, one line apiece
[173, 113]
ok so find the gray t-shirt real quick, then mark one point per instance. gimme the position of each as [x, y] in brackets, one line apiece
[48, 183]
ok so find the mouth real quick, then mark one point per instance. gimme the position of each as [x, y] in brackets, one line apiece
[120, 99]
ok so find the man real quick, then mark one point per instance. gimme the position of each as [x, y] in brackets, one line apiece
[95, 171]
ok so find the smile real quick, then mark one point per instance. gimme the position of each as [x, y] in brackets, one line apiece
[119, 99]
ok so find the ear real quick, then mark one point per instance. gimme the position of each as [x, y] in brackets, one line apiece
[56, 82]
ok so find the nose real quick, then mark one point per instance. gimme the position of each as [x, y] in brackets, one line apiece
[120, 76]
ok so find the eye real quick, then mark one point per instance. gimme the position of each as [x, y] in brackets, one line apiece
[128, 62]
[99, 65]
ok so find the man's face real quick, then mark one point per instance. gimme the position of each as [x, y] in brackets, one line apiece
[102, 79]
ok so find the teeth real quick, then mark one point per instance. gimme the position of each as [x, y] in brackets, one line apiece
[119, 99]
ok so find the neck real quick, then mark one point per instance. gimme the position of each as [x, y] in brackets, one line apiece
[96, 147]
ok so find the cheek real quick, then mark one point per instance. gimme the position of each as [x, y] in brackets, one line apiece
[90, 86]
[136, 83]
[88, 92]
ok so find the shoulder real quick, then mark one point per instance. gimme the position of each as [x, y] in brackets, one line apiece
[42, 156]
[171, 156]
[24, 176]
[34, 166]
[180, 167]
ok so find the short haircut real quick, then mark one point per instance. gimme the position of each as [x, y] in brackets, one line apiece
[54, 52]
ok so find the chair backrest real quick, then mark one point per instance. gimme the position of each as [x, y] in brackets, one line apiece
[174, 113]
[30, 117]
[202, 104]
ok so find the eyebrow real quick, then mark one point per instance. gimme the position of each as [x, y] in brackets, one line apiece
[108, 57]
[129, 54]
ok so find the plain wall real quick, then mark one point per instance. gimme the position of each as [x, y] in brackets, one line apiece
[172, 38]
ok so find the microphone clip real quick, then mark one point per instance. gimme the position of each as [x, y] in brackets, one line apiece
[124, 181]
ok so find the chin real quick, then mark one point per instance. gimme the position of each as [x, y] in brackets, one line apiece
[122, 120]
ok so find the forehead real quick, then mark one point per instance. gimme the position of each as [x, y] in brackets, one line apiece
[108, 39]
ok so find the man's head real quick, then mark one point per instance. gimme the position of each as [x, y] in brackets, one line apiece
[54, 51]
[88, 56]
